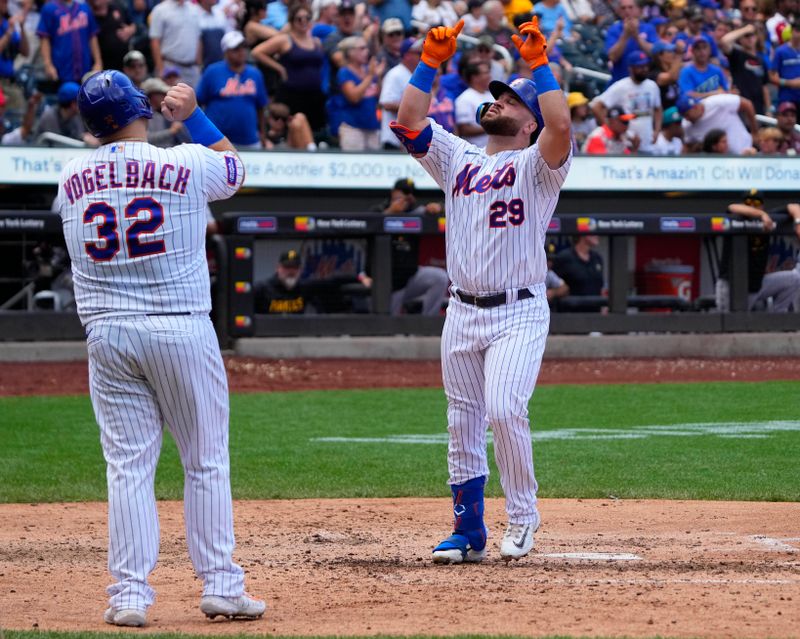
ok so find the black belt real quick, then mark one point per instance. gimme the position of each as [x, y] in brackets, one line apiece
[490, 301]
[161, 314]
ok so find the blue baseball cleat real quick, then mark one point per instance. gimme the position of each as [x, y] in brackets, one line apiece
[458, 548]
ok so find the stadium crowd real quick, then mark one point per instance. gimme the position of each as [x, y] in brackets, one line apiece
[685, 76]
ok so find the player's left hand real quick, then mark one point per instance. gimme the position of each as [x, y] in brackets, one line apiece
[179, 103]
[440, 44]
[533, 48]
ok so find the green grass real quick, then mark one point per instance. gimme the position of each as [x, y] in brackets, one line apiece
[51, 449]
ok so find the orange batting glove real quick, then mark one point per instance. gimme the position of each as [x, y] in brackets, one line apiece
[440, 44]
[533, 48]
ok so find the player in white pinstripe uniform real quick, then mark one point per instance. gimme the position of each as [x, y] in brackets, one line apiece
[499, 201]
[134, 219]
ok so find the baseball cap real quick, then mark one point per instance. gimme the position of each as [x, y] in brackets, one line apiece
[68, 92]
[700, 41]
[786, 106]
[685, 103]
[576, 98]
[406, 185]
[133, 57]
[290, 259]
[637, 59]
[392, 24]
[709, 4]
[410, 44]
[347, 5]
[232, 40]
[753, 195]
[618, 113]
[671, 116]
[660, 47]
[154, 85]
[168, 71]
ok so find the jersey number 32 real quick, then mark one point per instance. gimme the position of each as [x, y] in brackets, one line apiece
[109, 234]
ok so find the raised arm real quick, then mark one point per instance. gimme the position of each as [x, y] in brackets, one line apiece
[180, 104]
[439, 46]
[554, 141]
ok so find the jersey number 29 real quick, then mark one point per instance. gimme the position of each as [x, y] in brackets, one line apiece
[108, 230]
[512, 212]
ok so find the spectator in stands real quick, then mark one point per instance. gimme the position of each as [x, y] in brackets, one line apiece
[298, 58]
[286, 130]
[435, 13]
[13, 42]
[394, 83]
[613, 137]
[730, 13]
[782, 287]
[628, 35]
[747, 66]
[63, 118]
[213, 25]
[581, 266]
[134, 66]
[360, 83]
[777, 23]
[115, 30]
[513, 8]
[442, 109]
[719, 112]
[286, 293]
[664, 71]
[392, 33]
[716, 141]
[670, 139]
[171, 75]
[474, 19]
[484, 51]
[251, 26]
[277, 14]
[550, 12]
[160, 132]
[175, 38]
[786, 115]
[496, 25]
[233, 95]
[749, 11]
[636, 94]
[477, 76]
[410, 281]
[770, 140]
[786, 68]
[23, 134]
[324, 18]
[385, 9]
[346, 26]
[583, 123]
[68, 41]
[700, 79]
[580, 11]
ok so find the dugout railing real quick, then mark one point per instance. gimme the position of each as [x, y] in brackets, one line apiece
[233, 254]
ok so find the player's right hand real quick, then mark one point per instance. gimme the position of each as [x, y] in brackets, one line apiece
[440, 44]
[179, 103]
[533, 48]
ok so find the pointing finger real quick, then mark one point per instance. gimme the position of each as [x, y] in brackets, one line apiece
[457, 29]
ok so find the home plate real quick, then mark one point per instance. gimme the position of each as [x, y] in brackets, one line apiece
[593, 556]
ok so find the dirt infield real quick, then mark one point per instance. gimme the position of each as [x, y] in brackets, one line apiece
[362, 567]
[343, 567]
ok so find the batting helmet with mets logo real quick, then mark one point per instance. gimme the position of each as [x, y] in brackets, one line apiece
[525, 91]
[109, 101]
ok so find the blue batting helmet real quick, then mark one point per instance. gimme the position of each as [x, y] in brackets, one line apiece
[525, 90]
[108, 101]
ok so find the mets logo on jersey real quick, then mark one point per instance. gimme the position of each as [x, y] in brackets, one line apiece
[468, 182]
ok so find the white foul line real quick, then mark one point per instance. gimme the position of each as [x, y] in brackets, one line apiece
[776, 544]
[593, 556]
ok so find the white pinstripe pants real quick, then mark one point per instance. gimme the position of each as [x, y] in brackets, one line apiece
[490, 362]
[145, 372]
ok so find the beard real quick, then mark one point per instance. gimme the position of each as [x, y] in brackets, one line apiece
[639, 76]
[500, 125]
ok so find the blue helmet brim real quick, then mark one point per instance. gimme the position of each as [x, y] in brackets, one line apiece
[498, 88]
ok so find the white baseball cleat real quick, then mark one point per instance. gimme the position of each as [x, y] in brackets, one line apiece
[242, 607]
[129, 617]
[518, 539]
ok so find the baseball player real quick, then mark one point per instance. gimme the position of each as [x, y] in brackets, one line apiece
[499, 201]
[134, 221]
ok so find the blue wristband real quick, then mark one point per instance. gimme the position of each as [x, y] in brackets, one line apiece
[423, 77]
[202, 129]
[545, 80]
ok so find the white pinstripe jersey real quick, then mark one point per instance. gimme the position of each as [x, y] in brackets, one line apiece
[134, 219]
[498, 210]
